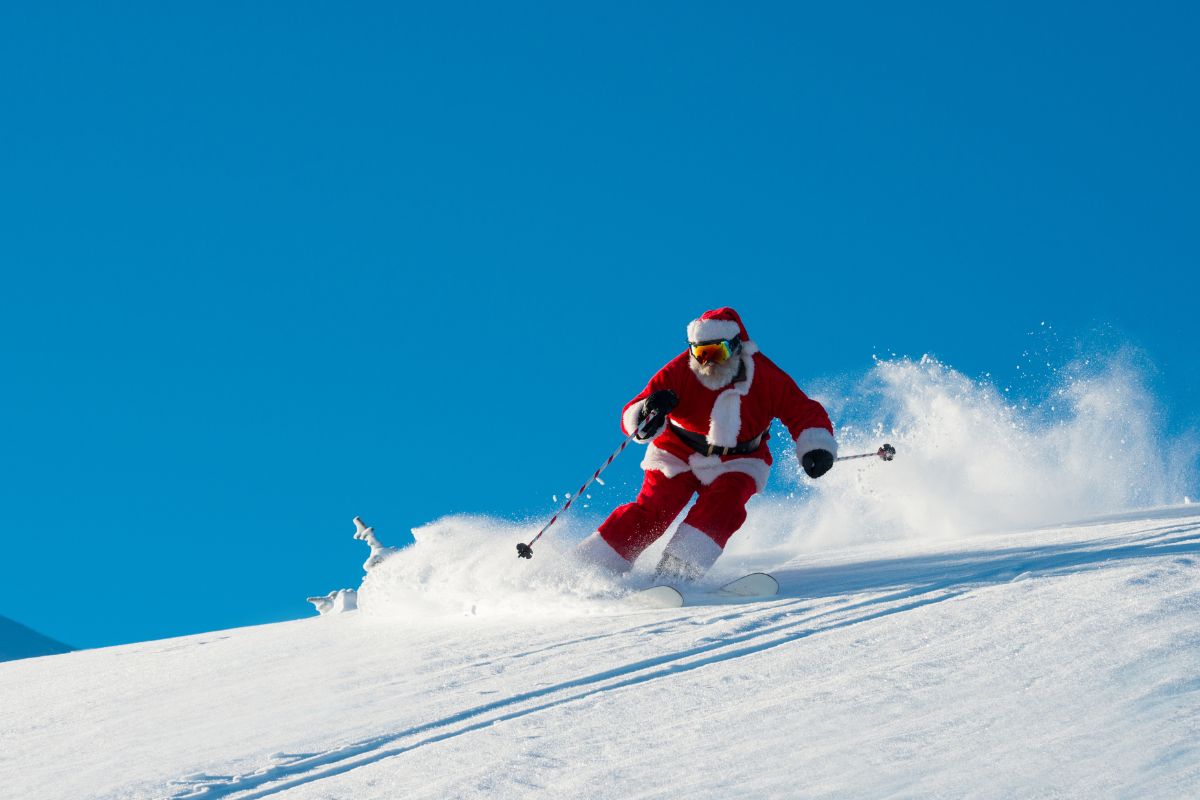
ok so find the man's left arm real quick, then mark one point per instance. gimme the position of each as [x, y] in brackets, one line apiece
[809, 425]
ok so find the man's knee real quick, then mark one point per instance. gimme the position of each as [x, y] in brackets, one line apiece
[721, 507]
[731, 489]
[661, 496]
[634, 526]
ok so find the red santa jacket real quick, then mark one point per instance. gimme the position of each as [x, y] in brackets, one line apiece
[734, 413]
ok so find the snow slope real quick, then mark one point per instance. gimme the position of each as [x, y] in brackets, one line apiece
[1054, 662]
[20, 641]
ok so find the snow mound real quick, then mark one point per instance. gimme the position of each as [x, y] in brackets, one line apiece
[467, 565]
[339, 601]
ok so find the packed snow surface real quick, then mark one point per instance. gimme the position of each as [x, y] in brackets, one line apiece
[1055, 662]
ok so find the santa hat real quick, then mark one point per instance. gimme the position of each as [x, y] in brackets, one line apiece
[720, 323]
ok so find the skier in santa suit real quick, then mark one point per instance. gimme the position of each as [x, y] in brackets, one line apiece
[710, 410]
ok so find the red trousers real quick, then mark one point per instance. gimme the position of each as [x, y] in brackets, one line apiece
[719, 511]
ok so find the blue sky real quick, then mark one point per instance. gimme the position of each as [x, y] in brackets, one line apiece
[269, 267]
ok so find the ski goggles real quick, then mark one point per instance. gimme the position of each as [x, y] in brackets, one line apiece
[719, 351]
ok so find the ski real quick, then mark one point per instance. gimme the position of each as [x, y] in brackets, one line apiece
[656, 597]
[755, 586]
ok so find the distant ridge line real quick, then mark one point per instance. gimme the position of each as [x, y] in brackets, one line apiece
[20, 641]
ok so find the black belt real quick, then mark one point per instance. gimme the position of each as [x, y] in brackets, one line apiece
[700, 444]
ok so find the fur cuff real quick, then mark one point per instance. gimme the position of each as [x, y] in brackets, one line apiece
[693, 547]
[815, 439]
[595, 551]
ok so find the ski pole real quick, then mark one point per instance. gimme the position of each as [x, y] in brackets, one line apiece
[526, 550]
[887, 453]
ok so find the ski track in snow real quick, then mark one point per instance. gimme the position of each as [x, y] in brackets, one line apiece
[813, 601]
[323, 765]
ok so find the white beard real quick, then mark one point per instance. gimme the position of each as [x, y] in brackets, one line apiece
[716, 376]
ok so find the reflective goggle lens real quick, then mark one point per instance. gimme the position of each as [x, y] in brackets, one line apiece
[712, 351]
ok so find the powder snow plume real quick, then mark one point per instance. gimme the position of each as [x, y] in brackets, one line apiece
[467, 566]
[971, 460]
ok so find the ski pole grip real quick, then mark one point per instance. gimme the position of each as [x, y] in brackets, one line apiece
[658, 404]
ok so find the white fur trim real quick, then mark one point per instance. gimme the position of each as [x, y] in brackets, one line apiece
[726, 419]
[693, 546]
[629, 422]
[815, 439]
[664, 462]
[709, 330]
[597, 552]
[709, 468]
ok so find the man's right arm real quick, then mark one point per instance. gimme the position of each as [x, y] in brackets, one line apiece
[657, 399]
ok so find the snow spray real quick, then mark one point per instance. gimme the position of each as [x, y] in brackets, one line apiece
[1090, 443]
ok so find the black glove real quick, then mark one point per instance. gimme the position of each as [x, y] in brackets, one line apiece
[658, 404]
[817, 462]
